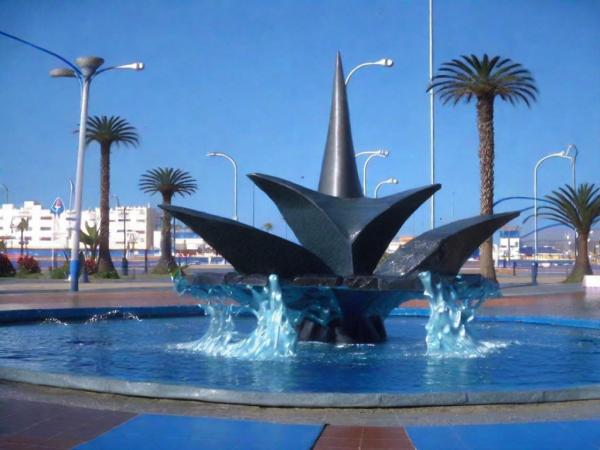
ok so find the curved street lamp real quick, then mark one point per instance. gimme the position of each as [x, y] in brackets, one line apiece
[372, 154]
[85, 69]
[234, 164]
[384, 62]
[381, 183]
[571, 154]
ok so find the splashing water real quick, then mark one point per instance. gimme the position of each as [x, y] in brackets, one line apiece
[274, 336]
[53, 321]
[453, 302]
[114, 314]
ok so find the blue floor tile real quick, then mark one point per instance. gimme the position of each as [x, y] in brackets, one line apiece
[580, 435]
[150, 432]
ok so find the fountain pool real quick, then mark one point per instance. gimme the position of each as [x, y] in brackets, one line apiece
[520, 362]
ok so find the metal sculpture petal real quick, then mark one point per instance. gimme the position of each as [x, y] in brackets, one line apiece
[250, 250]
[349, 234]
[443, 250]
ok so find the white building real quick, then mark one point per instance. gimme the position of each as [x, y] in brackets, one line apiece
[47, 231]
[185, 239]
[510, 244]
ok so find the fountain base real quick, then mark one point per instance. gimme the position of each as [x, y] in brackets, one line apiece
[358, 330]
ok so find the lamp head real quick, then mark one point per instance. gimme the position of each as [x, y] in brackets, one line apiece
[133, 66]
[384, 153]
[385, 62]
[211, 154]
[571, 151]
[89, 64]
[62, 72]
[393, 180]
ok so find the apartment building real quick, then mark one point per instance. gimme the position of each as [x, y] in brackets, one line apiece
[132, 225]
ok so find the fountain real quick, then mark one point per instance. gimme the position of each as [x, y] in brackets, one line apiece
[273, 319]
[332, 284]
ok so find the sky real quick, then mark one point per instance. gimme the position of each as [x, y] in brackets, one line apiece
[253, 79]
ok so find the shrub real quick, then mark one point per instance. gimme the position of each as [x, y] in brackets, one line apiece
[60, 273]
[6, 267]
[91, 266]
[28, 264]
[112, 274]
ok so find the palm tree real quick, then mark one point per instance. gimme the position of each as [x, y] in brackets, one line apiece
[168, 182]
[107, 131]
[22, 227]
[578, 209]
[483, 80]
[91, 238]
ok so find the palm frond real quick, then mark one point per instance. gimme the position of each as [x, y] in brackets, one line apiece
[168, 182]
[576, 208]
[108, 130]
[472, 77]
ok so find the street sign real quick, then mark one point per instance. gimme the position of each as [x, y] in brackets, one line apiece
[57, 207]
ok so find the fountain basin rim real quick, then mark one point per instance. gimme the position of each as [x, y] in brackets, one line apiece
[297, 399]
[24, 316]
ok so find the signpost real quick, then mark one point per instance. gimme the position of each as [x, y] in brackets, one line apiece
[57, 208]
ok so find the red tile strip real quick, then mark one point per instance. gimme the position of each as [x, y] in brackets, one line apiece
[359, 438]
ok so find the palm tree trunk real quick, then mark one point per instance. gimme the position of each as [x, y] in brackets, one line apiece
[485, 125]
[166, 261]
[582, 265]
[105, 264]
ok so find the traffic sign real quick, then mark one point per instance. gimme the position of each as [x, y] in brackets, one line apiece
[57, 207]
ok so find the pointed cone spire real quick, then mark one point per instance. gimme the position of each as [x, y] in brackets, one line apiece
[339, 176]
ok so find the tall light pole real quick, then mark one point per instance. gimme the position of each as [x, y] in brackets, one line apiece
[571, 154]
[234, 164]
[431, 121]
[6, 189]
[381, 183]
[124, 262]
[86, 69]
[371, 154]
[384, 62]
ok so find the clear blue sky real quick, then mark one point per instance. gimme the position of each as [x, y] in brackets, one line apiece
[253, 79]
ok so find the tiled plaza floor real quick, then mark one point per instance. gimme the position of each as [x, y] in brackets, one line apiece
[37, 425]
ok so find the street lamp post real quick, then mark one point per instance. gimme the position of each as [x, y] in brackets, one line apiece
[372, 154]
[6, 189]
[124, 262]
[235, 183]
[431, 121]
[381, 183]
[86, 69]
[384, 62]
[571, 154]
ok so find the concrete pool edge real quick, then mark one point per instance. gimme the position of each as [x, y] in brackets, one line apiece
[16, 316]
[297, 400]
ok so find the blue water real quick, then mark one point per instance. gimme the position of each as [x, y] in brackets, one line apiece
[520, 356]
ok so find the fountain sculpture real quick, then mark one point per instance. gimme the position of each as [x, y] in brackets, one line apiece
[333, 285]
